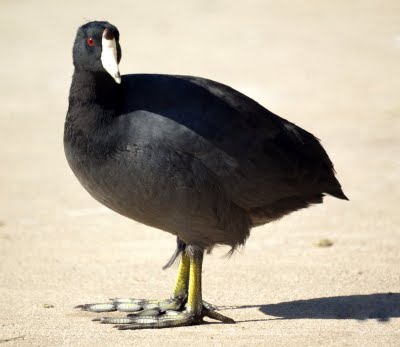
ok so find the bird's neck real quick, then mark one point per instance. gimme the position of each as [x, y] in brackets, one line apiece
[94, 100]
[94, 105]
[94, 88]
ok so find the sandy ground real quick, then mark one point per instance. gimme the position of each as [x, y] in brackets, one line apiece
[331, 68]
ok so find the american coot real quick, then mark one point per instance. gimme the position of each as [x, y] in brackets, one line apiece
[187, 155]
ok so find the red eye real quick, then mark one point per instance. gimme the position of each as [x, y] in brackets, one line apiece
[90, 41]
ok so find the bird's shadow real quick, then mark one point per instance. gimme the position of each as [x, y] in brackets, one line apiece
[379, 306]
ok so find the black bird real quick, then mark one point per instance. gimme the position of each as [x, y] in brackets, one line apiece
[187, 155]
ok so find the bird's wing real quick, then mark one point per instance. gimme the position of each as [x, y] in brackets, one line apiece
[256, 156]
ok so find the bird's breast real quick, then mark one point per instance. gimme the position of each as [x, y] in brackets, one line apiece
[147, 184]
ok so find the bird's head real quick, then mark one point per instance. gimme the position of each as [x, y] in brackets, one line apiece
[97, 49]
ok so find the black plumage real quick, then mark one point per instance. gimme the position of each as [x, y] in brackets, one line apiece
[185, 154]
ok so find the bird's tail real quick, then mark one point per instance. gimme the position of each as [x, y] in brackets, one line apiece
[338, 194]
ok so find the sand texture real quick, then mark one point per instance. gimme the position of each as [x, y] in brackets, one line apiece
[330, 67]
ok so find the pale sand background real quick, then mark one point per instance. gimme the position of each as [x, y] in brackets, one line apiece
[331, 68]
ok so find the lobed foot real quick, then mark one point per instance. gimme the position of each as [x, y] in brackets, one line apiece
[186, 306]
[133, 305]
[147, 314]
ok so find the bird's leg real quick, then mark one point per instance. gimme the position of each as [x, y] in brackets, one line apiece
[182, 280]
[195, 310]
[180, 291]
[194, 304]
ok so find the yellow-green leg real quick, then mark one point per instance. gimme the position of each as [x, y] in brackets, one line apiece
[182, 279]
[195, 303]
[181, 288]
